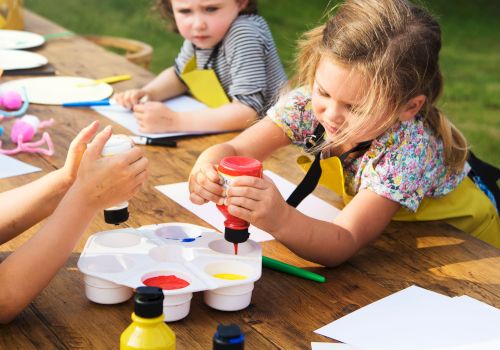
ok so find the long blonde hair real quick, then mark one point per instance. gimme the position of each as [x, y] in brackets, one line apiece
[395, 46]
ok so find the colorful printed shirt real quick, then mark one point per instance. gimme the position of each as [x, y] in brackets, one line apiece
[404, 164]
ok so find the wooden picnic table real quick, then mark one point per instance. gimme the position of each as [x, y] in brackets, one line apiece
[285, 310]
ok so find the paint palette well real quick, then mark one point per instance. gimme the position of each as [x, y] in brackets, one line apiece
[179, 258]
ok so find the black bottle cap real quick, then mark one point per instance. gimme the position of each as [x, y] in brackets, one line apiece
[148, 302]
[228, 338]
[117, 216]
[236, 236]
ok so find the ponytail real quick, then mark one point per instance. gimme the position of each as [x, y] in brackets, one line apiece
[454, 143]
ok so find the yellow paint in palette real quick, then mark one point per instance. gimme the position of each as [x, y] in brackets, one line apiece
[230, 276]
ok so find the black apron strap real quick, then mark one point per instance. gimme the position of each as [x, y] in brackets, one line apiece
[487, 173]
[310, 181]
[213, 54]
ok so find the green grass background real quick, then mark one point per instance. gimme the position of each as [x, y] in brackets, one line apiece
[470, 57]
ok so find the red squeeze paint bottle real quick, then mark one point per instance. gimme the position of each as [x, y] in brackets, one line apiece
[236, 230]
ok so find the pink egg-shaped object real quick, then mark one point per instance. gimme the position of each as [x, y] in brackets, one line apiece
[23, 129]
[11, 100]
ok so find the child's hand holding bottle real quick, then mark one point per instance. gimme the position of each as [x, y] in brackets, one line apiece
[104, 182]
[205, 186]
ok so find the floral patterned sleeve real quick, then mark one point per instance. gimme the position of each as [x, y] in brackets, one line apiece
[402, 165]
[293, 114]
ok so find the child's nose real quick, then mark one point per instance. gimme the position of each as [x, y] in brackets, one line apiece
[334, 113]
[199, 22]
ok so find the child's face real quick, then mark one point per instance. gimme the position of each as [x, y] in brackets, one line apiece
[205, 22]
[336, 90]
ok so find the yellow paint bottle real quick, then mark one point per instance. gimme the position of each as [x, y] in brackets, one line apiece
[148, 331]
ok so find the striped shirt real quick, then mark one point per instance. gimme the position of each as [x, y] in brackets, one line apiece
[247, 63]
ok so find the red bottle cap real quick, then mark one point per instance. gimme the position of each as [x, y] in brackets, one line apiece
[236, 166]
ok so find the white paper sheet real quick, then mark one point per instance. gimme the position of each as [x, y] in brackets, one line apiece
[415, 319]
[311, 206]
[125, 117]
[12, 167]
[331, 346]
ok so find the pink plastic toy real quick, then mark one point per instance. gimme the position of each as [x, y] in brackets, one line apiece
[11, 100]
[13, 104]
[23, 130]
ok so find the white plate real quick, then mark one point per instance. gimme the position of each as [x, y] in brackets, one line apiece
[17, 39]
[59, 90]
[17, 59]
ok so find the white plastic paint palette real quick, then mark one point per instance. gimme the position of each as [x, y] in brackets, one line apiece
[114, 262]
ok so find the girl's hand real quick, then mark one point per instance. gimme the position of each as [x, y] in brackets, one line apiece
[204, 185]
[76, 150]
[257, 201]
[105, 182]
[156, 117]
[130, 98]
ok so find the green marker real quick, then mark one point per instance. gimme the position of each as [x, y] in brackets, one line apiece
[291, 270]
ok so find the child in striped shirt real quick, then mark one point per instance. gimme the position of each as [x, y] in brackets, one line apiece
[228, 37]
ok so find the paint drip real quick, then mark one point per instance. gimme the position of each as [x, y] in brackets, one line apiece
[235, 248]
[166, 282]
[230, 276]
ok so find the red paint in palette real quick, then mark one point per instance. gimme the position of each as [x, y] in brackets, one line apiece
[166, 282]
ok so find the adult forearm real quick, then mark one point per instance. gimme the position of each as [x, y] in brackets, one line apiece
[25, 206]
[29, 269]
[316, 240]
[166, 85]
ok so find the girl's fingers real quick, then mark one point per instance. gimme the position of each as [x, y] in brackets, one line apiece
[239, 212]
[213, 187]
[245, 191]
[197, 199]
[243, 202]
[207, 195]
[211, 174]
[250, 181]
[138, 108]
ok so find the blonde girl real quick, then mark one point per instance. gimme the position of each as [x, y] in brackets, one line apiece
[228, 61]
[369, 81]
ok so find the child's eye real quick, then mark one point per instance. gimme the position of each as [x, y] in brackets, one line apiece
[184, 11]
[211, 9]
[349, 107]
[323, 92]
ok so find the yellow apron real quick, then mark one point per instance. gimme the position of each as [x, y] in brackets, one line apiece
[11, 16]
[466, 208]
[204, 85]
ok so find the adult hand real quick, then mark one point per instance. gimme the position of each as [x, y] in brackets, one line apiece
[204, 185]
